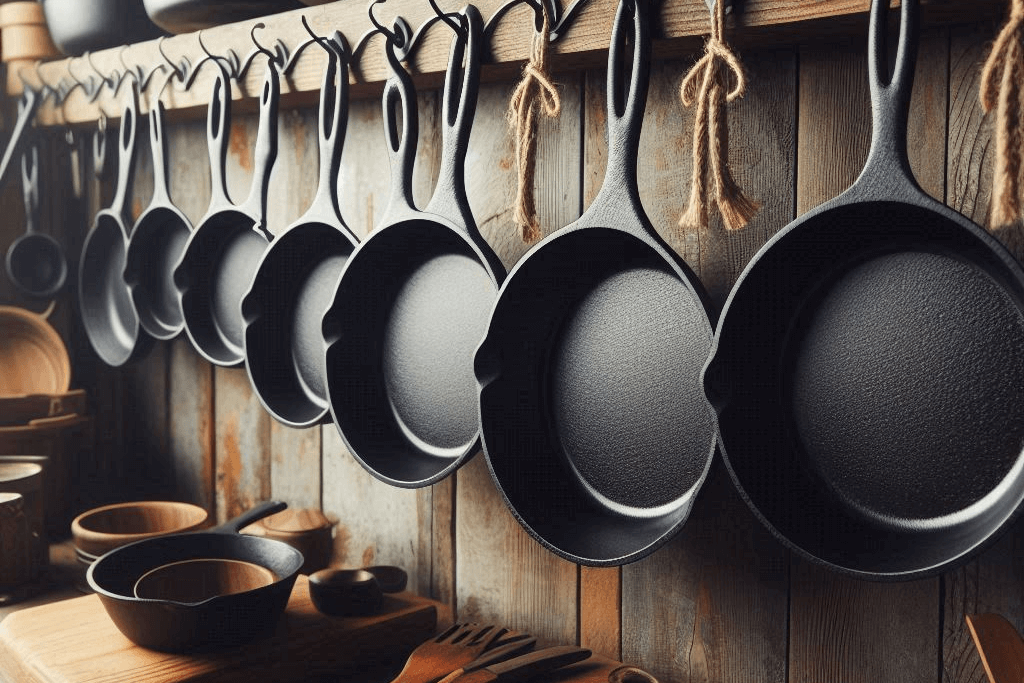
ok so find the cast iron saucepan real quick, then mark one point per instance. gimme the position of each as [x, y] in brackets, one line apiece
[156, 244]
[412, 301]
[35, 261]
[108, 313]
[294, 281]
[868, 372]
[220, 257]
[594, 422]
[217, 622]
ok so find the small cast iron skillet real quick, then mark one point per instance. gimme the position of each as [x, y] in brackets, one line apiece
[105, 302]
[215, 623]
[594, 421]
[413, 299]
[295, 278]
[868, 370]
[219, 260]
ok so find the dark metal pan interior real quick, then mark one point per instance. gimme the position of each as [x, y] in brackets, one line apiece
[872, 406]
[605, 464]
[159, 238]
[414, 411]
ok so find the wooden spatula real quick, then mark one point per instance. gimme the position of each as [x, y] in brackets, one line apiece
[1000, 647]
[520, 668]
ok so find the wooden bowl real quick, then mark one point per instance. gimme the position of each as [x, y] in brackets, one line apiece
[345, 592]
[307, 530]
[192, 581]
[20, 410]
[100, 530]
[33, 358]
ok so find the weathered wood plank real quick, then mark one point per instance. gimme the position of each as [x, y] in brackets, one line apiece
[840, 628]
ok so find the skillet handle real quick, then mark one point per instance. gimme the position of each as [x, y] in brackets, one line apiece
[27, 106]
[332, 125]
[126, 153]
[399, 92]
[619, 195]
[266, 148]
[264, 509]
[458, 110]
[888, 165]
[30, 186]
[218, 132]
[158, 148]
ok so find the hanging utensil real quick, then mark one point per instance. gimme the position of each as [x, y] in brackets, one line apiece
[35, 261]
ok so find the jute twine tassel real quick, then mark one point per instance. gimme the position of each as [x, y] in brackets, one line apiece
[534, 92]
[707, 84]
[1003, 89]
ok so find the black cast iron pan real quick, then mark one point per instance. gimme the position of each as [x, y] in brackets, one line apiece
[219, 260]
[217, 622]
[413, 299]
[295, 279]
[868, 372]
[156, 244]
[593, 417]
[105, 302]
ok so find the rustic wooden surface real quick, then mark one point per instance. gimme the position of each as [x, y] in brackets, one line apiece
[723, 601]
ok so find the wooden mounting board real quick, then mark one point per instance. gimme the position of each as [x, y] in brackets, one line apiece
[75, 640]
[680, 28]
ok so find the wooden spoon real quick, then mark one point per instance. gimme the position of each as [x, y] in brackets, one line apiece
[1000, 647]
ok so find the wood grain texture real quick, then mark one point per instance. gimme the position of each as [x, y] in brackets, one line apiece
[999, 646]
[601, 610]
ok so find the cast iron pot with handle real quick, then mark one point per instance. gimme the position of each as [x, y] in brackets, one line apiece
[156, 244]
[220, 621]
[413, 299]
[593, 417]
[105, 302]
[868, 369]
[219, 260]
[295, 279]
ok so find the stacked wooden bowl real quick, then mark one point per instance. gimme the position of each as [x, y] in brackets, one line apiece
[41, 419]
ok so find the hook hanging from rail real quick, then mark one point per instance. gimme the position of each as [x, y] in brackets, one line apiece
[447, 18]
[278, 57]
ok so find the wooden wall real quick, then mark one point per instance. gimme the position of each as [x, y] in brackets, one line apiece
[723, 601]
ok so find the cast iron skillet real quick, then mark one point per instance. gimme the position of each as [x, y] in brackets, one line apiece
[108, 313]
[220, 258]
[295, 279]
[35, 261]
[412, 300]
[156, 244]
[594, 422]
[868, 372]
[215, 623]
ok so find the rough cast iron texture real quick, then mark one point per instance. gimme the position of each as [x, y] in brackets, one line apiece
[220, 258]
[104, 300]
[868, 372]
[593, 417]
[285, 351]
[156, 244]
[222, 621]
[413, 299]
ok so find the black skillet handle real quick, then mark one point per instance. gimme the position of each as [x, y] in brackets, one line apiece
[887, 173]
[619, 197]
[218, 133]
[158, 148]
[264, 509]
[333, 123]
[457, 112]
[126, 154]
[266, 148]
[30, 186]
[401, 144]
[27, 106]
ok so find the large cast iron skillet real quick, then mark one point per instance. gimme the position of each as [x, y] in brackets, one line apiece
[869, 366]
[592, 414]
[218, 622]
[412, 301]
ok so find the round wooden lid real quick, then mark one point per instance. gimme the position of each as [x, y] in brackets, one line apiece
[296, 520]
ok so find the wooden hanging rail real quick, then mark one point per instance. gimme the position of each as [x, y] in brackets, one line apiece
[682, 23]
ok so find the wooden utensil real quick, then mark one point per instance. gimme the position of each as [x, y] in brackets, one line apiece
[521, 668]
[496, 654]
[1000, 647]
[630, 674]
[458, 646]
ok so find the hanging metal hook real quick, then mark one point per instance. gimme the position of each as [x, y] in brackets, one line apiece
[108, 81]
[278, 56]
[447, 18]
[175, 69]
[397, 40]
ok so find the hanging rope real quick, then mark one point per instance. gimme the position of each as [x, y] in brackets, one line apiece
[1002, 89]
[706, 84]
[534, 92]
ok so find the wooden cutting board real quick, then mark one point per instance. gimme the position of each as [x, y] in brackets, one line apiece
[75, 640]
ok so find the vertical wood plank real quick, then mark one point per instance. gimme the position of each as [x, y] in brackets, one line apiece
[502, 574]
[711, 604]
[840, 628]
[994, 582]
